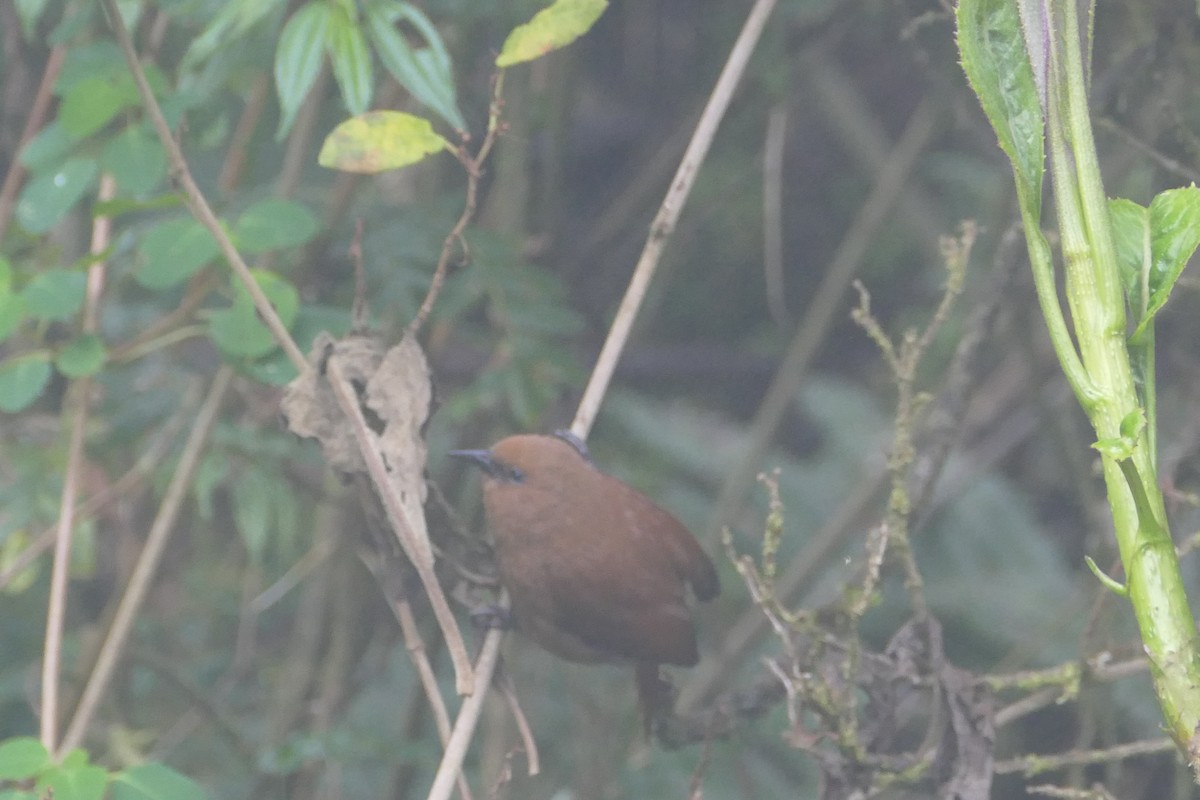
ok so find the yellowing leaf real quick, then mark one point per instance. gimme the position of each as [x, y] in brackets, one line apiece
[550, 29]
[378, 141]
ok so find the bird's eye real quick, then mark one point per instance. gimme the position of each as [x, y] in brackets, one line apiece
[512, 474]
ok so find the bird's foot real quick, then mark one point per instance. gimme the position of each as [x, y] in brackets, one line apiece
[491, 617]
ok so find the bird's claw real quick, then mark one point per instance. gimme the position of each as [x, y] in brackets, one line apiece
[493, 617]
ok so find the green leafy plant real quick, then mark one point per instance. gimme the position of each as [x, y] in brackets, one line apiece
[27, 773]
[1028, 62]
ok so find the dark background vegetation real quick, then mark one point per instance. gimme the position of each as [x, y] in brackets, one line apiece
[311, 694]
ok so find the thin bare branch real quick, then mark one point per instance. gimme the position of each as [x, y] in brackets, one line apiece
[196, 201]
[418, 552]
[79, 403]
[147, 563]
[468, 718]
[37, 115]
[474, 167]
[824, 309]
[668, 214]
[1031, 765]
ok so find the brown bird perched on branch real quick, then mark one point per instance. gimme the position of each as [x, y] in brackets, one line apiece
[595, 571]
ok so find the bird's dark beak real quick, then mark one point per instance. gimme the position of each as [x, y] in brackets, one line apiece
[480, 458]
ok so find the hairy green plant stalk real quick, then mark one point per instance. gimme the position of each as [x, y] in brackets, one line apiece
[1026, 59]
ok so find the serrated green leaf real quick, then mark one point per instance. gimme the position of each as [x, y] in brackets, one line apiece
[22, 380]
[1115, 447]
[274, 225]
[1133, 424]
[1130, 224]
[55, 294]
[1174, 236]
[298, 57]
[998, 68]
[48, 197]
[22, 758]
[82, 356]
[173, 251]
[154, 782]
[237, 331]
[379, 141]
[351, 61]
[136, 160]
[550, 29]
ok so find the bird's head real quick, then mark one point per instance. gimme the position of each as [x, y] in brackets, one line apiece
[517, 459]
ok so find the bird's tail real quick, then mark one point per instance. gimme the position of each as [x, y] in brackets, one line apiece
[655, 695]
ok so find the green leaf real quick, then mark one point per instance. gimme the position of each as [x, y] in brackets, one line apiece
[1131, 238]
[50, 146]
[12, 313]
[173, 251]
[231, 22]
[90, 104]
[1117, 448]
[1174, 236]
[550, 29]
[136, 160]
[274, 225]
[56, 294]
[1133, 424]
[378, 141]
[154, 782]
[75, 781]
[1034, 23]
[351, 62]
[997, 66]
[237, 331]
[298, 58]
[30, 11]
[22, 758]
[22, 379]
[47, 198]
[15, 794]
[101, 58]
[82, 356]
[426, 73]
[252, 511]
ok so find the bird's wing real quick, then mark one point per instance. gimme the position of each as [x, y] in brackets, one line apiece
[626, 614]
[673, 542]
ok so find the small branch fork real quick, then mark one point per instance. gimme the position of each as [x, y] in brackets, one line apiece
[474, 167]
